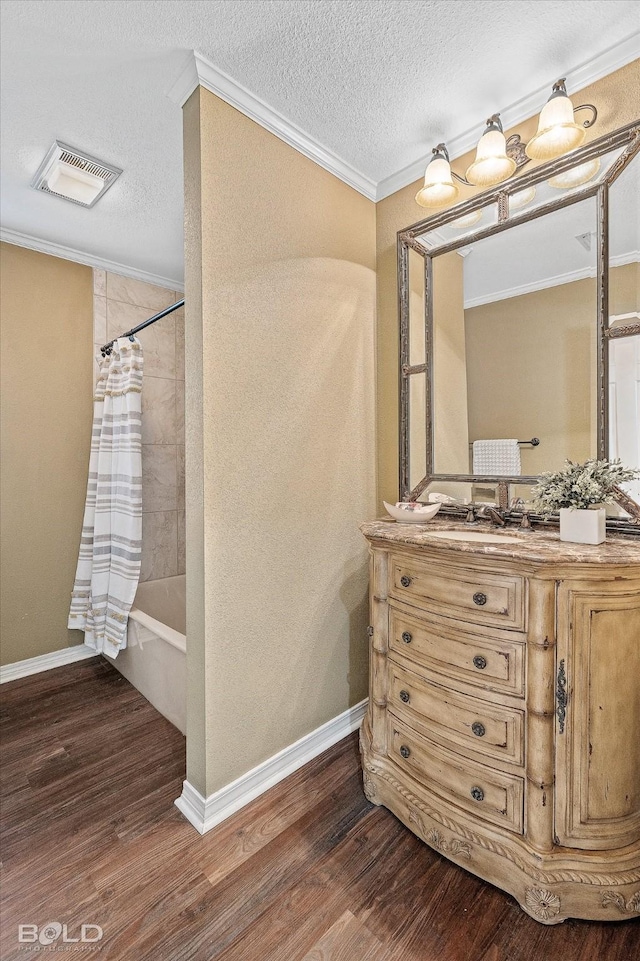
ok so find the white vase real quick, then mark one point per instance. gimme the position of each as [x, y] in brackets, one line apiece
[582, 526]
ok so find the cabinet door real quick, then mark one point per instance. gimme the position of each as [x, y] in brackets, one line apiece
[598, 741]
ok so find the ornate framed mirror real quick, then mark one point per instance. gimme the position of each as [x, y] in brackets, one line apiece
[520, 324]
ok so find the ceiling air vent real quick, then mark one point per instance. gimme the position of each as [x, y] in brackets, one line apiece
[73, 175]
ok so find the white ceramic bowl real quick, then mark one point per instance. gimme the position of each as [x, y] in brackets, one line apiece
[418, 516]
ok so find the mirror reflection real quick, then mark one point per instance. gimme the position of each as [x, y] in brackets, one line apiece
[515, 348]
[624, 319]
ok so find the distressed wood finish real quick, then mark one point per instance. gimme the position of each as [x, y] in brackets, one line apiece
[442, 649]
[539, 797]
[598, 773]
[494, 597]
[308, 872]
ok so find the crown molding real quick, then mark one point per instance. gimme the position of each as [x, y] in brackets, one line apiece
[186, 82]
[80, 257]
[580, 77]
[201, 72]
[620, 260]
[543, 284]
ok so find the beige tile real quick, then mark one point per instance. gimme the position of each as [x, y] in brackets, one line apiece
[158, 410]
[96, 363]
[99, 282]
[159, 545]
[100, 320]
[159, 479]
[130, 291]
[122, 317]
[182, 551]
[179, 322]
[179, 412]
[158, 341]
[180, 493]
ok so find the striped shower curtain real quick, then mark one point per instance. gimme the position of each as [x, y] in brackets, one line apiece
[110, 549]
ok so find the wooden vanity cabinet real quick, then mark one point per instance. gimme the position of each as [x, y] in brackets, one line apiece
[598, 754]
[503, 725]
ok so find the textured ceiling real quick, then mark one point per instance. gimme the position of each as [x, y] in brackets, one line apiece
[376, 81]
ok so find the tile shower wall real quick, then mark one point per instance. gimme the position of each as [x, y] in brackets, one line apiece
[120, 303]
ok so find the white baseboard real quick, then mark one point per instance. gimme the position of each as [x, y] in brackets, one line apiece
[205, 813]
[45, 662]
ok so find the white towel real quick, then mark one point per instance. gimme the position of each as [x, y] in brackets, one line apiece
[496, 457]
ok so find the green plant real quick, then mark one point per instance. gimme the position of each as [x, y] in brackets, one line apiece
[580, 485]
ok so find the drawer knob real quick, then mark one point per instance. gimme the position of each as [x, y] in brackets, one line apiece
[406, 637]
[404, 751]
[405, 697]
[477, 794]
[405, 580]
[478, 729]
[480, 662]
[479, 598]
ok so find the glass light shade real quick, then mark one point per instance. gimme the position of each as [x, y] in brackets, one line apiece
[557, 131]
[439, 188]
[467, 221]
[491, 165]
[581, 174]
[74, 183]
[521, 198]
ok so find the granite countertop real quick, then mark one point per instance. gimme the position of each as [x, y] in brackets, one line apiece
[535, 546]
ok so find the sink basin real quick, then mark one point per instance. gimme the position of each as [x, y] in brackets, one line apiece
[479, 537]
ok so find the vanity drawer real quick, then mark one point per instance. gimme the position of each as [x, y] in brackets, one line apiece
[461, 722]
[491, 662]
[482, 597]
[491, 795]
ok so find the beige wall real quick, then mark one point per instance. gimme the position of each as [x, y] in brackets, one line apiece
[450, 375]
[119, 304]
[46, 374]
[531, 372]
[616, 97]
[624, 289]
[280, 291]
[451, 435]
[547, 387]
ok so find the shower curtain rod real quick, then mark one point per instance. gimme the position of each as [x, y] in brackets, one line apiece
[146, 323]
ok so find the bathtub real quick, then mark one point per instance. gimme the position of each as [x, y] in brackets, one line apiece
[155, 659]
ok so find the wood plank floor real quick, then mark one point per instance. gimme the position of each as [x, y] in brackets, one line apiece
[309, 872]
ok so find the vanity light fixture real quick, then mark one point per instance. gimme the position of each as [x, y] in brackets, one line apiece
[439, 188]
[521, 198]
[577, 176]
[469, 220]
[492, 165]
[558, 132]
[74, 175]
[498, 158]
